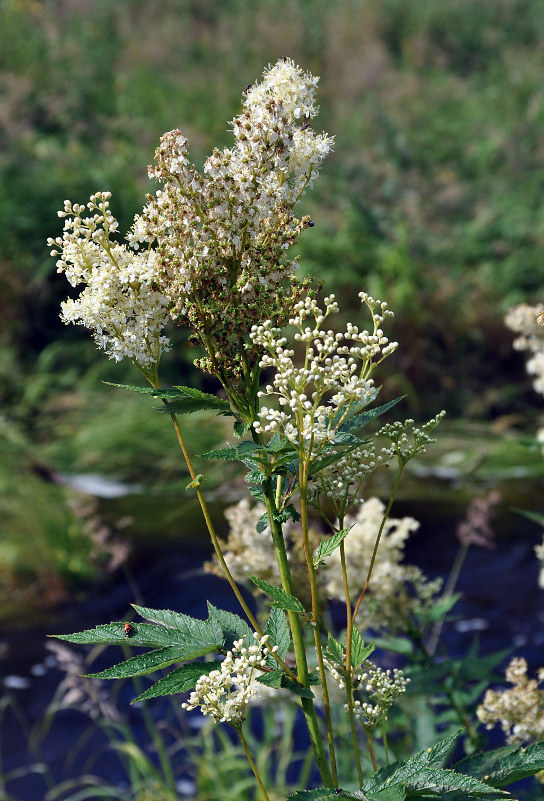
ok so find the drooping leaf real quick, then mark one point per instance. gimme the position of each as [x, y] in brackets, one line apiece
[359, 651]
[278, 631]
[235, 452]
[180, 400]
[281, 599]
[146, 663]
[185, 626]
[328, 546]
[278, 679]
[240, 428]
[179, 680]
[232, 627]
[262, 523]
[504, 766]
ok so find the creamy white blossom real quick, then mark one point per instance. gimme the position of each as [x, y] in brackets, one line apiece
[120, 301]
[527, 322]
[224, 693]
[221, 235]
[396, 590]
[246, 549]
[520, 708]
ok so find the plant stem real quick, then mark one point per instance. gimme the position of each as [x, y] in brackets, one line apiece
[448, 592]
[211, 529]
[371, 750]
[349, 683]
[378, 538]
[298, 638]
[384, 737]
[303, 487]
[252, 764]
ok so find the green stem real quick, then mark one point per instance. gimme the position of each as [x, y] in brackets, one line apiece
[349, 683]
[303, 486]
[298, 638]
[378, 538]
[384, 737]
[371, 749]
[211, 529]
[448, 592]
[252, 764]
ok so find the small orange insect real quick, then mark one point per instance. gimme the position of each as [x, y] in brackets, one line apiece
[127, 628]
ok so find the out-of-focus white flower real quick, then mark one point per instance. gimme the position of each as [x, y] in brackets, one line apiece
[396, 590]
[519, 709]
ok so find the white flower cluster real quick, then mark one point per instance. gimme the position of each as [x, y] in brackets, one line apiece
[120, 302]
[520, 709]
[527, 321]
[408, 440]
[396, 591]
[382, 687]
[317, 397]
[221, 236]
[341, 481]
[224, 693]
[246, 549]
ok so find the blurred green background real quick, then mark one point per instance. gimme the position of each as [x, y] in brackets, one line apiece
[432, 200]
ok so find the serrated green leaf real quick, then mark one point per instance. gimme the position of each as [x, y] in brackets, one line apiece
[278, 631]
[422, 779]
[336, 649]
[144, 634]
[320, 793]
[257, 492]
[359, 651]
[235, 452]
[438, 753]
[146, 663]
[278, 679]
[232, 627]
[435, 783]
[179, 680]
[281, 599]
[504, 766]
[186, 627]
[359, 420]
[328, 546]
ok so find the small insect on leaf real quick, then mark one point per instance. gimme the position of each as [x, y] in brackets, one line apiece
[128, 629]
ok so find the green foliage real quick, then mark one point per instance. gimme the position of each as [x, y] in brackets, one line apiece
[328, 546]
[278, 631]
[281, 599]
[504, 766]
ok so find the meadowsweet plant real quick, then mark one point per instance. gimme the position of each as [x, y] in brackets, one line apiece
[211, 251]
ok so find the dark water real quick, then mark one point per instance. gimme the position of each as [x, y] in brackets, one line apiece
[501, 603]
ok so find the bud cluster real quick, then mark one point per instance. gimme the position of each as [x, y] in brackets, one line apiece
[316, 398]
